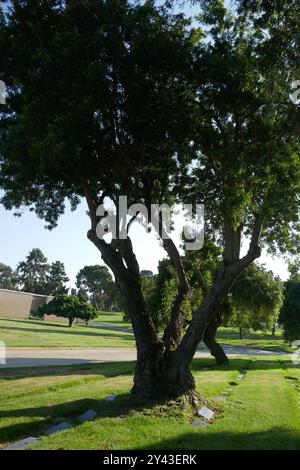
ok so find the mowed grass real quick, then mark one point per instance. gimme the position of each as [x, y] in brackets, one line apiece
[260, 412]
[113, 319]
[253, 339]
[40, 334]
[31, 333]
[225, 335]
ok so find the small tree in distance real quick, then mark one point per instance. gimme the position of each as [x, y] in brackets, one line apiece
[68, 306]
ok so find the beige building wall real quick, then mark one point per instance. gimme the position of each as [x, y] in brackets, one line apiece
[16, 304]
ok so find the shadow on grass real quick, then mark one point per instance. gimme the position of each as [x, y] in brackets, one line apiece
[69, 331]
[113, 321]
[243, 363]
[198, 439]
[124, 405]
[34, 322]
[109, 369]
[113, 369]
[230, 333]
[275, 438]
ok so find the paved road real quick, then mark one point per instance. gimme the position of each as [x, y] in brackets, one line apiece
[34, 357]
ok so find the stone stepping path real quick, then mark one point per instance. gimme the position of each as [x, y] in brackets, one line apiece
[61, 425]
[22, 444]
[206, 413]
[58, 428]
[89, 415]
[200, 424]
[111, 398]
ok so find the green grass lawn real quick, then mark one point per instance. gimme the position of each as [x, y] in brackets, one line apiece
[40, 334]
[32, 333]
[255, 339]
[230, 336]
[261, 412]
[113, 319]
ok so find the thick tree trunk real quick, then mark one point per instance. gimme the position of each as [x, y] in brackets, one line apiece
[241, 333]
[160, 372]
[121, 260]
[156, 373]
[203, 317]
[70, 322]
[160, 377]
[210, 342]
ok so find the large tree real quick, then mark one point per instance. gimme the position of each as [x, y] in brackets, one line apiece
[247, 141]
[110, 99]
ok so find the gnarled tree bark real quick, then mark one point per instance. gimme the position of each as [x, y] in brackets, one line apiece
[209, 339]
[163, 368]
[173, 331]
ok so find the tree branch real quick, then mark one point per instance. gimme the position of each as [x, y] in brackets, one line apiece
[232, 239]
[172, 333]
[254, 248]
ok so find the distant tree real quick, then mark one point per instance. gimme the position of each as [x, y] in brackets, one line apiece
[81, 293]
[98, 283]
[290, 312]
[68, 306]
[7, 277]
[146, 273]
[57, 279]
[256, 300]
[294, 268]
[32, 273]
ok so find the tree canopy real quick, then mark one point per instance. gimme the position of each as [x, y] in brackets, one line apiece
[68, 306]
[98, 283]
[96, 98]
[8, 278]
[37, 276]
[256, 299]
